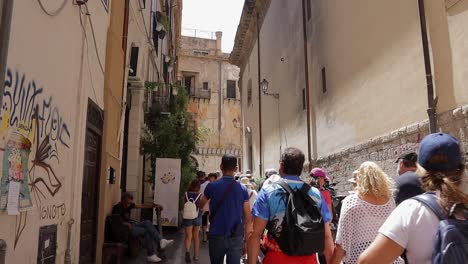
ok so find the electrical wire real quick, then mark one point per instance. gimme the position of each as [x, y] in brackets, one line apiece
[87, 60]
[56, 12]
[94, 38]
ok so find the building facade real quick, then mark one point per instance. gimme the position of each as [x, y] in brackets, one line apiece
[74, 86]
[350, 79]
[212, 85]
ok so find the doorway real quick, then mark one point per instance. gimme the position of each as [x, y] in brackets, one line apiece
[90, 190]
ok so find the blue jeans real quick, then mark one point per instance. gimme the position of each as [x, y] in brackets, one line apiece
[151, 234]
[221, 246]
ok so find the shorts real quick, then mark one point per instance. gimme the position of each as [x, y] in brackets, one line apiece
[191, 222]
[205, 218]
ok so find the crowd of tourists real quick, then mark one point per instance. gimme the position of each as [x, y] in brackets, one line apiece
[419, 218]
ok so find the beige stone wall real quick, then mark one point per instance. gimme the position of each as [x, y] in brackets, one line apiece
[211, 109]
[51, 56]
[374, 68]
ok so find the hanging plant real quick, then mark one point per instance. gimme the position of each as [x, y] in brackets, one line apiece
[150, 85]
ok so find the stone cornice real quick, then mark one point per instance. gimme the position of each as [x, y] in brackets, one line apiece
[246, 31]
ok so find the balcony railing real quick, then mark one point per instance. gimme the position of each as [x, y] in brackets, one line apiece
[200, 93]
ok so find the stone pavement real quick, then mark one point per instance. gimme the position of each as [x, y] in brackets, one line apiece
[175, 254]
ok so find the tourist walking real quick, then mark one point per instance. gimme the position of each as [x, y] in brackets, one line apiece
[363, 213]
[206, 209]
[192, 220]
[413, 225]
[408, 184]
[270, 210]
[229, 214]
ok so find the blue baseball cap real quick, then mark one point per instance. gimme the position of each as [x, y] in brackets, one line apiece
[439, 152]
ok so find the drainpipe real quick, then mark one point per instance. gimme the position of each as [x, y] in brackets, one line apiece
[259, 98]
[68, 250]
[5, 25]
[431, 101]
[306, 73]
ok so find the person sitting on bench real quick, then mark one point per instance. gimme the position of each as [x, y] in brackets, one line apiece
[123, 208]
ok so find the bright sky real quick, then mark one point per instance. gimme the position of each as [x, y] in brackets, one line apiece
[213, 15]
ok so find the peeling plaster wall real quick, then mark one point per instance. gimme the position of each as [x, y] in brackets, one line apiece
[49, 58]
[205, 109]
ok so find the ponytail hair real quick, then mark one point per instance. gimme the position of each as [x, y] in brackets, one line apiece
[447, 183]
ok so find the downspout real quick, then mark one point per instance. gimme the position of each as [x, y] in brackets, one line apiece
[306, 74]
[431, 101]
[5, 25]
[259, 98]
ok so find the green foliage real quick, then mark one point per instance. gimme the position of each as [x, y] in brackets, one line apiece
[172, 136]
[154, 85]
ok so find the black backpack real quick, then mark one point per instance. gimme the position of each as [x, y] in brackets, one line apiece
[302, 231]
[451, 242]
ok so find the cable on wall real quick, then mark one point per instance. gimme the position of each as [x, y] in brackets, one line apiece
[54, 13]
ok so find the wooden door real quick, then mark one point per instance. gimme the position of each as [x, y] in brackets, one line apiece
[90, 190]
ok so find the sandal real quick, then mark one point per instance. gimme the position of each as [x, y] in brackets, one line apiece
[195, 258]
[187, 257]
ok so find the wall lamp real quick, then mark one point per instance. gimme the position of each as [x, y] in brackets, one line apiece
[264, 85]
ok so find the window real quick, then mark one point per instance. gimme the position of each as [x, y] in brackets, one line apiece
[231, 89]
[324, 80]
[155, 33]
[309, 10]
[188, 83]
[143, 4]
[249, 93]
[201, 52]
[205, 86]
[134, 61]
[304, 102]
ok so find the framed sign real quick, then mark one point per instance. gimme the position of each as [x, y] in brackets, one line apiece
[47, 250]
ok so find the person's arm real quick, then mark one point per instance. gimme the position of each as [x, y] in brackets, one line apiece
[148, 206]
[338, 255]
[253, 244]
[247, 219]
[203, 201]
[382, 250]
[328, 251]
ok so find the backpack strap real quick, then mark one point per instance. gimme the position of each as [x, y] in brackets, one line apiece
[186, 196]
[284, 185]
[221, 201]
[429, 200]
[196, 199]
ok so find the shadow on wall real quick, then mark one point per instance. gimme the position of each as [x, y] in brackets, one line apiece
[457, 7]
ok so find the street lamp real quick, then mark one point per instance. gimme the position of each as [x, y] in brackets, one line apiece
[264, 85]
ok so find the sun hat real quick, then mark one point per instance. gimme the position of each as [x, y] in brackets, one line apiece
[440, 152]
[246, 181]
[319, 173]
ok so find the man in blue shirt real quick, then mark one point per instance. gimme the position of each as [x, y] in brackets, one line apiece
[270, 208]
[229, 214]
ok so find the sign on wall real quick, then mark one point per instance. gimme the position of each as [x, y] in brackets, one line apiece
[166, 192]
[47, 244]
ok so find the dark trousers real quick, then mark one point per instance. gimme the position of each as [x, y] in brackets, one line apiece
[229, 246]
[151, 234]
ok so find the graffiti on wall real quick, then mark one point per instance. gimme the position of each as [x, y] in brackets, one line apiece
[32, 134]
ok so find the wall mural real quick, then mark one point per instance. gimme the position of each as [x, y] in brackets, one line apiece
[32, 133]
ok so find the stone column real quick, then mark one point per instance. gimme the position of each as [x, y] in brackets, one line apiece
[134, 159]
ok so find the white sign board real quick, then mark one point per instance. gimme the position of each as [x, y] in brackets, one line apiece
[166, 191]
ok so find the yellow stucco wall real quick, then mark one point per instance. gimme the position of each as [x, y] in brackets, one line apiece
[212, 68]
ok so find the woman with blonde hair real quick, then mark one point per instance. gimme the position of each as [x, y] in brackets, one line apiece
[363, 212]
[413, 225]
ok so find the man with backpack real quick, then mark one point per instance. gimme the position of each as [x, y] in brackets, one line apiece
[295, 215]
[229, 214]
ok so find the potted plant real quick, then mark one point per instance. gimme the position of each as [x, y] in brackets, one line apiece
[151, 85]
[163, 25]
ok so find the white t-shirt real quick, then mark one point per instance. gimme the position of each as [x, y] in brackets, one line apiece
[206, 208]
[359, 224]
[413, 226]
[253, 196]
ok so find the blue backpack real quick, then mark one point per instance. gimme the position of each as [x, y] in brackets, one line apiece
[451, 242]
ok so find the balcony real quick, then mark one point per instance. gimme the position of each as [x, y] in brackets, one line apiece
[200, 93]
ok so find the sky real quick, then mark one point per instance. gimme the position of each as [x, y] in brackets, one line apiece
[213, 15]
